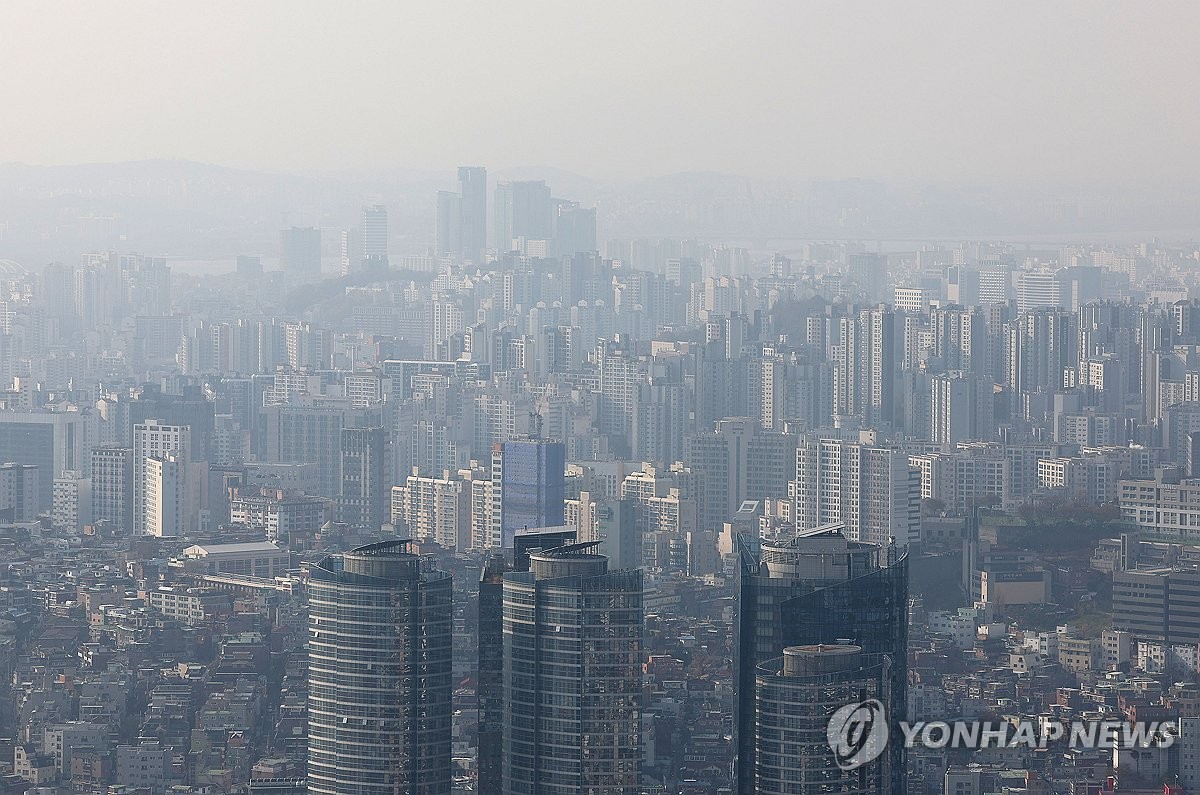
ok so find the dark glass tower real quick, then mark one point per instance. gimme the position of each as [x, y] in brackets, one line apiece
[817, 588]
[532, 486]
[572, 676]
[794, 695]
[380, 679]
[490, 682]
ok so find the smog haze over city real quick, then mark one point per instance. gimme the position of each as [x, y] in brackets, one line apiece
[542, 398]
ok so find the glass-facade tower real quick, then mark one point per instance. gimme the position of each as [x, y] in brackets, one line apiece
[794, 696]
[817, 587]
[572, 676]
[380, 678]
[533, 486]
[490, 688]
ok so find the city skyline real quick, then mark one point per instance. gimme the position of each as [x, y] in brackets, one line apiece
[536, 398]
[670, 483]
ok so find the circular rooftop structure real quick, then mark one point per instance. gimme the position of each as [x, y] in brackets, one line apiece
[11, 269]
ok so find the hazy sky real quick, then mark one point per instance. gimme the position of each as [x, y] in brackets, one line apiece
[1013, 91]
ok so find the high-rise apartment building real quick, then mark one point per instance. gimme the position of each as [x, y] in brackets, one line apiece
[351, 250]
[112, 487]
[190, 407]
[661, 410]
[865, 367]
[19, 491]
[868, 273]
[766, 401]
[448, 320]
[872, 491]
[436, 509]
[1040, 346]
[620, 376]
[379, 674]
[306, 430]
[153, 440]
[572, 675]
[72, 500]
[364, 497]
[56, 291]
[962, 408]
[960, 339]
[962, 285]
[666, 501]
[616, 528]
[817, 587]
[738, 461]
[720, 461]
[170, 508]
[485, 504]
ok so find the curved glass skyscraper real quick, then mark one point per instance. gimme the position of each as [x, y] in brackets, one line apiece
[572, 675]
[794, 695]
[818, 587]
[380, 680]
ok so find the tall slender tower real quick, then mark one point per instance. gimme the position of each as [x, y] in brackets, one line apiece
[112, 486]
[817, 587]
[491, 650]
[572, 675]
[866, 367]
[153, 440]
[447, 236]
[380, 677]
[490, 682]
[375, 237]
[472, 215]
[364, 500]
